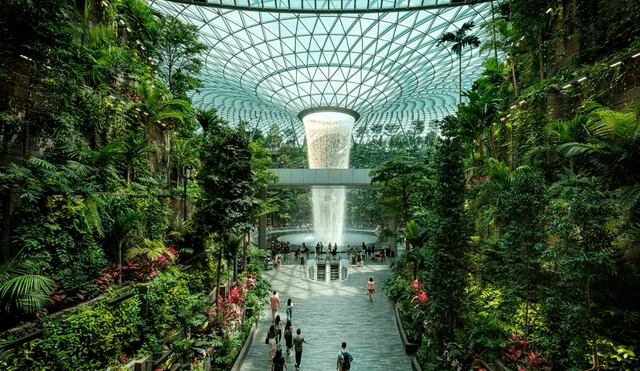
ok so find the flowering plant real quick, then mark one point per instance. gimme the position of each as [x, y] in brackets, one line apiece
[231, 308]
[420, 298]
[197, 364]
[519, 358]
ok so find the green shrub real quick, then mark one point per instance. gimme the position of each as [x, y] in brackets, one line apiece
[90, 338]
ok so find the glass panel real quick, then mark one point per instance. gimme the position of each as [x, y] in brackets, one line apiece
[385, 65]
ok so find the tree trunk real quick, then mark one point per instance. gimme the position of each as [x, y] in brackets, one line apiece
[540, 51]
[460, 78]
[247, 240]
[120, 264]
[572, 164]
[217, 288]
[594, 349]
[513, 73]
[25, 142]
[128, 174]
[526, 315]
[493, 143]
[493, 27]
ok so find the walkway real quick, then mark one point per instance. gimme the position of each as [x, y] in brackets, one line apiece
[329, 314]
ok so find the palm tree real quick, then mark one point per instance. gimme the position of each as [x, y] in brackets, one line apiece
[22, 288]
[505, 37]
[207, 119]
[460, 40]
[150, 250]
[181, 229]
[159, 108]
[567, 131]
[134, 148]
[124, 228]
[100, 163]
[482, 111]
[612, 144]
[183, 152]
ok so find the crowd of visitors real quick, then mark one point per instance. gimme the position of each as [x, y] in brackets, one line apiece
[281, 253]
[294, 344]
[274, 336]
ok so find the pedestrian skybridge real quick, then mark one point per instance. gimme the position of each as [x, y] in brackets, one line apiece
[307, 178]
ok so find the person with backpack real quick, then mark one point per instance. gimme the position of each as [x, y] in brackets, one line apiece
[288, 337]
[344, 359]
[278, 362]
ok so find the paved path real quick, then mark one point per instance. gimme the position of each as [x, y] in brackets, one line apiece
[329, 314]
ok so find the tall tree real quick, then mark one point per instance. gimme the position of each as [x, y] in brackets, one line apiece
[481, 113]
[404, 184]
[446, 273]
[460, 40]
[179, 52]
[228, 186]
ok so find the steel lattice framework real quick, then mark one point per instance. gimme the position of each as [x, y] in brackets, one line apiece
[270, 60]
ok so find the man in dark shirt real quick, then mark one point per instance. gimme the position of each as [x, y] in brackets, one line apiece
[297, 343]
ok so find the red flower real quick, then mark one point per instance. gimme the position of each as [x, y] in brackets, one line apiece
[423, 297]
[123, 357]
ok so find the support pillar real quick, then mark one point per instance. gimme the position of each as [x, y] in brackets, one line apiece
[262, 222]
[393, 240]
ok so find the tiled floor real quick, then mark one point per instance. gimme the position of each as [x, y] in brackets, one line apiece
[329, 314]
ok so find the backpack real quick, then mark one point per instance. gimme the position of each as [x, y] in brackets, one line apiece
[346, 361]
[287, 334]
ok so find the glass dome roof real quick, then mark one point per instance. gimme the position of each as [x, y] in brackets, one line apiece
[267, 66]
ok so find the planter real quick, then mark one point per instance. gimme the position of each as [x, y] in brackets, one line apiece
[409, 347]
[245, 349]
[415, 366]
[143, 364]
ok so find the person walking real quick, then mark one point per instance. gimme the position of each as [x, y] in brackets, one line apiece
[288, 338]
[289, 310]
[297, 342]
[344, 360]
[275, 303]
[278, 324]
[278, 362]
[371, 287]
[271, 341]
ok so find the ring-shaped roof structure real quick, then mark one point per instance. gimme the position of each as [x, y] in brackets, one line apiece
[269, 60]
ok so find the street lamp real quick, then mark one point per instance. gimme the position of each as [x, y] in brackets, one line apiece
[186, 175]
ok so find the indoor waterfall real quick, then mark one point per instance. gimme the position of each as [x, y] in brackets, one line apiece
[329, 142]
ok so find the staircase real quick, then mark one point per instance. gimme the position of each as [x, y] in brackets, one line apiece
[335, 271]
[321, 268]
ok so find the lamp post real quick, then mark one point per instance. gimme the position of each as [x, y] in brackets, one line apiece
[186, 175]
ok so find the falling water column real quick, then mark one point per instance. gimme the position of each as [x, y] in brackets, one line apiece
[328, 143]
